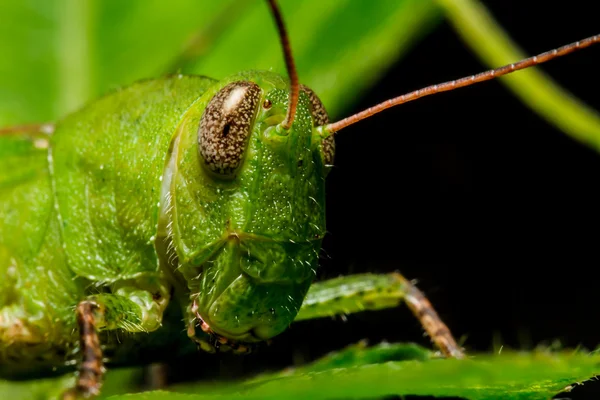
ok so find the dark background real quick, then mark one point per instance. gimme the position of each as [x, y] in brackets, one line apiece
[494, 211]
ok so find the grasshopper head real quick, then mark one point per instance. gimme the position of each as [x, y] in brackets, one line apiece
[248, 205]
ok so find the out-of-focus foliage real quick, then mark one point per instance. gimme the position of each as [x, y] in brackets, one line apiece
[369, 373]
[58, 55]
[405, 369]
[61, 54]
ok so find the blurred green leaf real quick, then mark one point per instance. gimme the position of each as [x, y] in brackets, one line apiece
[118, 381]
[361, 372]
[58, 55]
[61, 54]
[340, 48]
[511, 375]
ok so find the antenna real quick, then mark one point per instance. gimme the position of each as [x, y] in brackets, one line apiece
[289, 63]
[329, 129]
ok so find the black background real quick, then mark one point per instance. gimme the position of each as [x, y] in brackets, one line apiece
[491, 209]
[494, 211]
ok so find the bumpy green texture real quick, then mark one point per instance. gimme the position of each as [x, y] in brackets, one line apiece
[350, 294]
[37, 290]
[118, 207]
[51, 263]
[108, 163]
[249, 246]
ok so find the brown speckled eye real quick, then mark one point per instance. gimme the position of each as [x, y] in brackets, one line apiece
[226, 125]
[320, 117]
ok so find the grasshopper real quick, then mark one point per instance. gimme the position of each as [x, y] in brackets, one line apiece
[181, 196]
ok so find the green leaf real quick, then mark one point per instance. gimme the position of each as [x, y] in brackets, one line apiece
[358, 373]
[340, 48]
[365, 373]
[118, 381]
[59, 55]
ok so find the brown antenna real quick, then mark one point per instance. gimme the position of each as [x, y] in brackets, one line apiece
[327, 130]
[289, 63]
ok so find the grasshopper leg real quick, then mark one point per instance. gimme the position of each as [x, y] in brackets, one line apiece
[91, 369]
[128, 308]
[362, 292]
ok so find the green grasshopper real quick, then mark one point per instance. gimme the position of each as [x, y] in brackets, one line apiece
[180, 195]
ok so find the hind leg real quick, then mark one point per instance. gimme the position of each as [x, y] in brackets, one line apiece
[362, 292]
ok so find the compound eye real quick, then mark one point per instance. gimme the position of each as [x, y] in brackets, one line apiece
[320, 117]
[226, 125]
